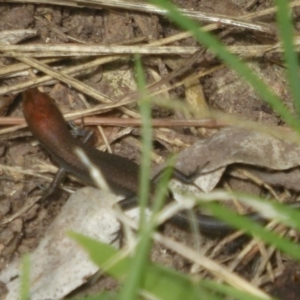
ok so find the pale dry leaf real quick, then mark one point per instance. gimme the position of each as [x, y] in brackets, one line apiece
[211, 156]
[58, 264]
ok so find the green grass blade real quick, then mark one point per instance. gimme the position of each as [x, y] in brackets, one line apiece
[137, 268]
[136, 271]
[283, 212]
[287, 34]
[25, 278]
[254, 229]
[161, 282]
[146, 130]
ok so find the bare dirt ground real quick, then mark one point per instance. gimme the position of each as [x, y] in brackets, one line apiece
[222, 89]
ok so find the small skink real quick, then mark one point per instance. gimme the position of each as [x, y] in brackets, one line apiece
[47, 124]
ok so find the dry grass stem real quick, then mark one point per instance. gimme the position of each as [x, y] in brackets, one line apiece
[145, 7]
[77, 50]
[210, 265]
[42, 50]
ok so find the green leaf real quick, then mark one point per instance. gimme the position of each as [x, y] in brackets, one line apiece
[25, 278]
[158, 281]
